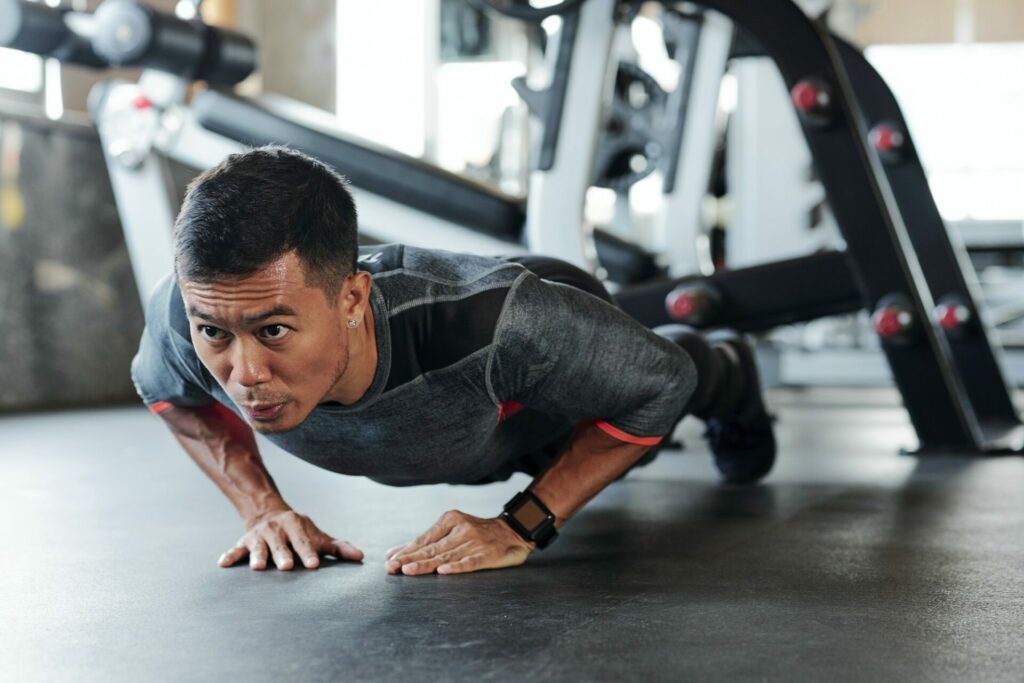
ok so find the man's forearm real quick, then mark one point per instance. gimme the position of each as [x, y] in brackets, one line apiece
[225, 449]
[590, 462]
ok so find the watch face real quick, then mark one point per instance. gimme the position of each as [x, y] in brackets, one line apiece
[530, 515]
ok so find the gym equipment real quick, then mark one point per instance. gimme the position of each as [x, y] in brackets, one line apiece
[522, 9]
[127, 33]
[44, 30]
[898, 252]
[143, 124]
[898, 259]
[400, 198]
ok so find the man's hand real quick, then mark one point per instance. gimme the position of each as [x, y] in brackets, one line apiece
[460, 543]
[282, 531]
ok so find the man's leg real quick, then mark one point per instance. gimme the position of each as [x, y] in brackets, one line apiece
[729, 399]
[721, 385]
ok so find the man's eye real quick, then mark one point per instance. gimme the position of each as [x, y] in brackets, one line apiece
[275, 332]
[211, 333]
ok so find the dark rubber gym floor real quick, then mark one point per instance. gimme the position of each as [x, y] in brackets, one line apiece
[850, 564]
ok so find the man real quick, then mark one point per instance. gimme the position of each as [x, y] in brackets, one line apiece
[411, 366]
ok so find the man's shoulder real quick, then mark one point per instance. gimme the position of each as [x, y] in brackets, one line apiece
[385, 260]
[442, 307]
[166, 368]
[165, 311]
[410, 276]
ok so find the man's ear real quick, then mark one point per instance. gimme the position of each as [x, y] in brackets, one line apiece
[355, 292]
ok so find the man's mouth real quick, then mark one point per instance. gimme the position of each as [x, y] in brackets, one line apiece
[264, 412]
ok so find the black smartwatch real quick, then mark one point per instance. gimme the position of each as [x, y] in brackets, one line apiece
[531, 519]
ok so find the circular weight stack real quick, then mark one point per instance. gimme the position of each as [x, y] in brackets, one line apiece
[525, 11]
[629, 149]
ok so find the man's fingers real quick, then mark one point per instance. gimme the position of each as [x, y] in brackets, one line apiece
[344, 550]
[428, 551]
[304, 548]
[441, 528]
[278, 542]
[438, 531]
[232, 556]
[427, 566]
[398, 548]
[466, 564]
[284, 536]
[258, 555]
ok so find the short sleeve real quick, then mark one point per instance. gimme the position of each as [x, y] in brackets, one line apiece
[166, 371]
[561, 350]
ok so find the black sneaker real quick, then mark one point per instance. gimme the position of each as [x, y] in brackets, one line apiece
[743, 441]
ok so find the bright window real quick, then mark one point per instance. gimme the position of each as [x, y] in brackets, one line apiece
[965, 108]
[20, 71]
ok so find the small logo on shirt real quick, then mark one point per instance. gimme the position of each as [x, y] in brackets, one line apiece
[374, 257]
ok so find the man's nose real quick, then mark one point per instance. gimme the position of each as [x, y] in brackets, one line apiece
[249, 366]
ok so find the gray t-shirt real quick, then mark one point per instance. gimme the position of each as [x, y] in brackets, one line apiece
[479, 362]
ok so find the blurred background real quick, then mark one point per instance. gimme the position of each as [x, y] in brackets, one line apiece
[431, 79]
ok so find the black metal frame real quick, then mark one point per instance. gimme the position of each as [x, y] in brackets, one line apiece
[944, 262]
[897, 246]
[547, 104]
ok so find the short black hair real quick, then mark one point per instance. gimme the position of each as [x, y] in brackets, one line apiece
[255, 207]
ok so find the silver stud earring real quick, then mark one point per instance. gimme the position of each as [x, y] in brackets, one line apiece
[353, 322]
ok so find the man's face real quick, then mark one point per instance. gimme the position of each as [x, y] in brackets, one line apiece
[275, 345]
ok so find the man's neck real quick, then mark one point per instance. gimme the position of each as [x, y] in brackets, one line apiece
[362, 363]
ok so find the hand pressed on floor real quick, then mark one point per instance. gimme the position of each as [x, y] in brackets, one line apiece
[459, 543]
[280, 532]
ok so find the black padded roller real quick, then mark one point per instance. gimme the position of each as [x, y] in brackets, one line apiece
[130, 34]
[382, 171]
[42, 30]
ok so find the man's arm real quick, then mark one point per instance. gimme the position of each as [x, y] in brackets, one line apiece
[459, 542]
[225, 449]
[564, 352]
[591, 461]
[169, 379]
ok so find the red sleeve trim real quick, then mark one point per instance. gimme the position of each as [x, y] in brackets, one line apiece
[628, 438]
[160, 407]
[507, 409]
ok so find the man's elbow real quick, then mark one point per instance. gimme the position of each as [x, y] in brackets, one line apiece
[203, 422]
